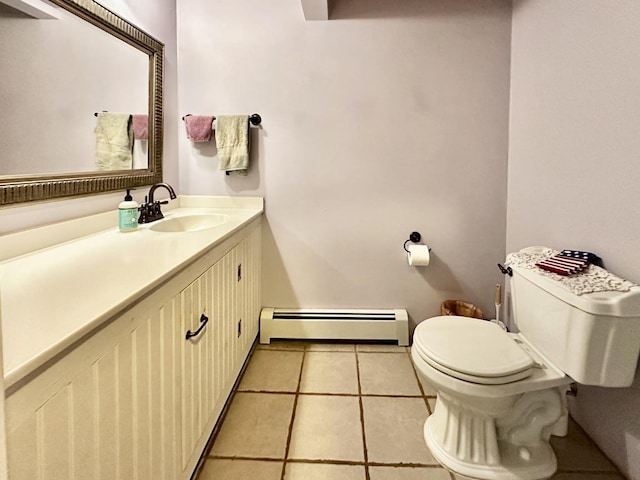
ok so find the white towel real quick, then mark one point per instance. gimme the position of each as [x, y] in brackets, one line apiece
[232, 140]
[114, 141]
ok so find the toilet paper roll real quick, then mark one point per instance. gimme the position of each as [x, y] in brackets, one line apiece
[418, 255]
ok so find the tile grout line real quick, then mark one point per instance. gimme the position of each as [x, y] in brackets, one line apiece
[364, 436]
[593, 472]
[293, 416]
[328, 394]
[333, 462]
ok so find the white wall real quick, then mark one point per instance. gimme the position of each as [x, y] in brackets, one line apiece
[158, 19]
[386, 119]
[574, 163]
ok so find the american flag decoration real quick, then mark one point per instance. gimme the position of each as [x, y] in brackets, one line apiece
[568, 262]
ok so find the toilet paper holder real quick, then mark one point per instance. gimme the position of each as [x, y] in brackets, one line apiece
[414, 237]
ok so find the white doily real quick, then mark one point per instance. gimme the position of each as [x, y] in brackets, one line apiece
[592, 279]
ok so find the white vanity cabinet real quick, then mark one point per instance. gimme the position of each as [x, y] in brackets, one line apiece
[226, 297]
[136, 399]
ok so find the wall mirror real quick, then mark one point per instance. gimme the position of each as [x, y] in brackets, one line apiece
[57, 75]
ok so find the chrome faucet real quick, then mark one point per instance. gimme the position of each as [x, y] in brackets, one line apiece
[150, 210]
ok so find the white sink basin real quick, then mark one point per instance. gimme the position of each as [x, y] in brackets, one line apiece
[189, 223]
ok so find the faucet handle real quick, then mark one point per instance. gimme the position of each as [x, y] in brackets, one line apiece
[144, 213]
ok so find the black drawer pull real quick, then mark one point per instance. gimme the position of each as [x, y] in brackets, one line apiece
[203, 321]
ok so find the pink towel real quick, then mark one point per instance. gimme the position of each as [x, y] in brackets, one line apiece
[141, 127]
[198, 127]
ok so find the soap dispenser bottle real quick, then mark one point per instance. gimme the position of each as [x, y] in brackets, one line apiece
[127, 214]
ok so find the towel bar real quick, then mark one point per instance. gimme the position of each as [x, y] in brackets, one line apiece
[255, 118]
[95, 114]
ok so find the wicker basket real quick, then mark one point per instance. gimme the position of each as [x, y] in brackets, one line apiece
[458, 307]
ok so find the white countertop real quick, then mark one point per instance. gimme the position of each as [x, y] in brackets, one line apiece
[53, 294]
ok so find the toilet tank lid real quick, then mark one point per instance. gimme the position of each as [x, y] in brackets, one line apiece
[609, 303]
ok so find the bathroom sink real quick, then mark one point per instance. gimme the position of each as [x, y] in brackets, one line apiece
[189, 223]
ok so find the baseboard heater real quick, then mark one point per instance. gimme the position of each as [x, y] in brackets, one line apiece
[334, 324]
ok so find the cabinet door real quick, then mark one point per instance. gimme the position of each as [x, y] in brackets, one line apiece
[197, 320]
[207, 358]
[228, 294]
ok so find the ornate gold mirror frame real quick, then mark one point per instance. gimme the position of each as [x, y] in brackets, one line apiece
[33, 188]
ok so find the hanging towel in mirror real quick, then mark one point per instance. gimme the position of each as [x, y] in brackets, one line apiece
[140, 127]
[198, 127]
[114, 141]
[232, 141]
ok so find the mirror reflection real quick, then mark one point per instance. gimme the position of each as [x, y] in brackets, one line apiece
[57, 77]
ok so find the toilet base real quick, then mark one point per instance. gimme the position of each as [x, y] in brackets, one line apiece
[516, 463]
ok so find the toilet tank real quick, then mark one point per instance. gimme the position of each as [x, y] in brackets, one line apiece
[594, 337]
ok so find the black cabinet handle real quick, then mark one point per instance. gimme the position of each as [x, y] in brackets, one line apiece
[203, 321]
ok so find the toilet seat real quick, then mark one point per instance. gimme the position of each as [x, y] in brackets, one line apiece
[471, 350]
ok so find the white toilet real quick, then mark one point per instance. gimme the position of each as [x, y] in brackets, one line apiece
[501, 395]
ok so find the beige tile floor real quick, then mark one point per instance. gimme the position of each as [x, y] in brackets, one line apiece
[321, 411]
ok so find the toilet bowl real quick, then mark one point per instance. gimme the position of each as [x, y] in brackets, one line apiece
[502, 395]
[498, 401]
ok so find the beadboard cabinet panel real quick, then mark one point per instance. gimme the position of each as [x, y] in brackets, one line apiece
[204, 355]
[229, 295]
[248, 303]
[118, 419]
[136, 400]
